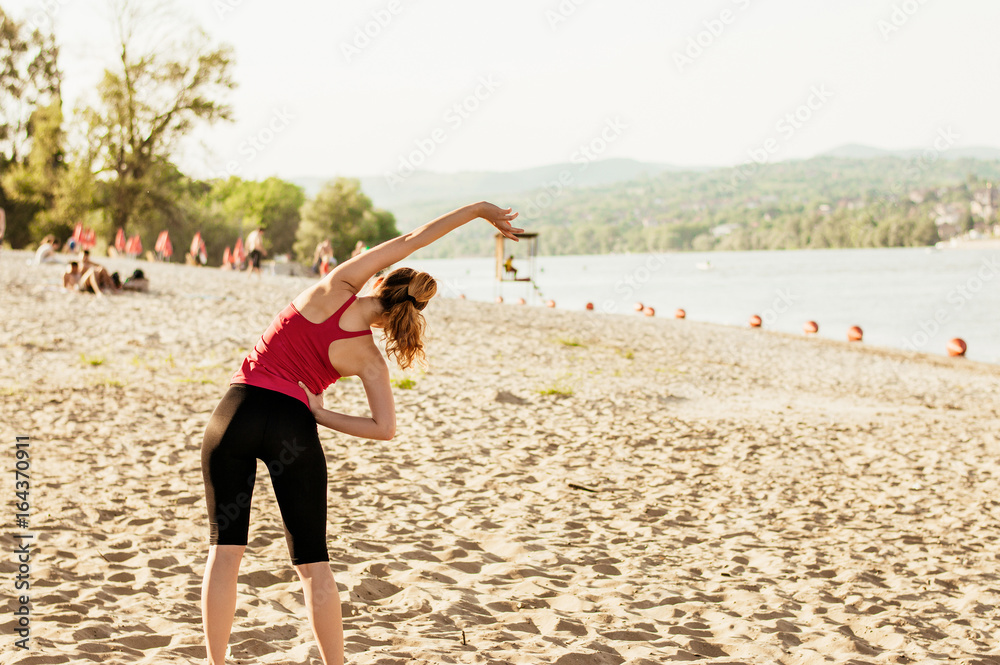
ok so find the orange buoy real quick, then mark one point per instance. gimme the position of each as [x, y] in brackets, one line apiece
[854, 334]
[521, 301]
[649, 311]
[810, 327]
[589, 306]
[550, 303]
[957, 347]
[639, 307]
[499, 300]
[461, 296]
[755, 321]
[680, 314]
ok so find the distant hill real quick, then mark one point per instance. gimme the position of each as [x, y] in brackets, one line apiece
[823, 202]
[430, 186]
[852, 196]
[856, 151]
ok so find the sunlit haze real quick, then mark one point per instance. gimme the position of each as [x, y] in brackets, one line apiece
[361, 88]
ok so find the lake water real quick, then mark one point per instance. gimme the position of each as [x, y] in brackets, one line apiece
[916, 299]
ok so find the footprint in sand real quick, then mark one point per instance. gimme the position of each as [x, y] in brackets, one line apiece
[373, 589]
[144, 642]
[116, 557]
[264, 578]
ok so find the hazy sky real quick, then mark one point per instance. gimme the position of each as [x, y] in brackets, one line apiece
[453, 85]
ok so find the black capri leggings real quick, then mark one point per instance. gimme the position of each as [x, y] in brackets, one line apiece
[254, 423]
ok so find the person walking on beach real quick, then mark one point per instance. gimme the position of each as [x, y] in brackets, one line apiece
[274, 404]
[255, 250]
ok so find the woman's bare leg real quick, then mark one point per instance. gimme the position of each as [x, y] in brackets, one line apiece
[218, 598]
[89, 280]
[323, 604]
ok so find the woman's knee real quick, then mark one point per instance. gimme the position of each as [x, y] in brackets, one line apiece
[317, 581]
[227, 553]
[318, 571]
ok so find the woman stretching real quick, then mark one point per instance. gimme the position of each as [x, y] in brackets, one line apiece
[275, 401]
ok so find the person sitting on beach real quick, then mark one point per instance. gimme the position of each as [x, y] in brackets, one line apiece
[71, 278]
[136, 282]
[90, 281]
[509, 268]
[108, 282]
[46, 252]
[85, 262]
[274, 404]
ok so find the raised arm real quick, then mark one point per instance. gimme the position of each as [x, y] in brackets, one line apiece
[357, 271]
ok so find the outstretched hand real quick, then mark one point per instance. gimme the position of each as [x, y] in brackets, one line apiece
[500, 218]
[315, 401]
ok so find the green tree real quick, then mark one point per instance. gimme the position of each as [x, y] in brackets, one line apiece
[33, 180]
[162, 85]
[29, 80]
[273, 204]
[342, 214]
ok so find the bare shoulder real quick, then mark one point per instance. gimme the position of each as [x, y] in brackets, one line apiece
[357, 356]
[318, 302]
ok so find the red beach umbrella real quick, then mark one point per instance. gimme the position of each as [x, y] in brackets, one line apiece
[120, 240]
[198, 247]
[163, 246]
[238, 253]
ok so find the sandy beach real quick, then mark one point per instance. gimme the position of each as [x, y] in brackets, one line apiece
[564, 488]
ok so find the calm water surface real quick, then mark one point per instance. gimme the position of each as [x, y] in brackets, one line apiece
[916, 299]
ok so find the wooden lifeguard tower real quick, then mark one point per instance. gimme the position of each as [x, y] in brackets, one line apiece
[516, 268]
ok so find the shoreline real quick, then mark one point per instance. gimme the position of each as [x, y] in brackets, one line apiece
[302, 281]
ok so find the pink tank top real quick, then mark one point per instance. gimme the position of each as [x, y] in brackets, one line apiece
[294, 349]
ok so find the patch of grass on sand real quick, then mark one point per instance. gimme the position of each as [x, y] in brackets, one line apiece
[558, 390]
[94, 361]
[404, 384]
[569, 341]
[627, 354]
[112, 383]
[8, 391]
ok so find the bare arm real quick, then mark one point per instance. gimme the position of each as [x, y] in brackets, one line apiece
[382, 423]
[357, 271]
